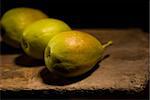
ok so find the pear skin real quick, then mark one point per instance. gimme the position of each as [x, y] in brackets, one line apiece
[14, 22]
[73, 53]
[36, 36]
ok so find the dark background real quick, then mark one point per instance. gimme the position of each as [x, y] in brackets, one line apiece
[92, 13]
[88, 14]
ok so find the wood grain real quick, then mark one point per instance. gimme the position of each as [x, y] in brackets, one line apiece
[125, 67]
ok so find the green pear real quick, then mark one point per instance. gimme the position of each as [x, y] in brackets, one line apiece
[73, 53]
[36, 36]
[15, 20]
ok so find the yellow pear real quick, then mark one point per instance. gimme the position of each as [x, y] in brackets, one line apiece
[15, 20]
[73, 53]
[36, 36]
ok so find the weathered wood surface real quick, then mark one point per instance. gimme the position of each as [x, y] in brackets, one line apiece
[125, 67]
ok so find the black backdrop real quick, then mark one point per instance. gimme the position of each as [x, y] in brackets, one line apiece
[90, 14]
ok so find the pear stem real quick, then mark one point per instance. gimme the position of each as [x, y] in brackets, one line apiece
[107, 44]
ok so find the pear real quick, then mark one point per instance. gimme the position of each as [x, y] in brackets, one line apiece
[73, 53]
[37, 35]
[15, 20]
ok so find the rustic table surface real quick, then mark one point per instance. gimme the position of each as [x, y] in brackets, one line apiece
[124, 68]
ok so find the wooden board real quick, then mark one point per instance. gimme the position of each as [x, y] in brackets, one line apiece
[125, 67]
